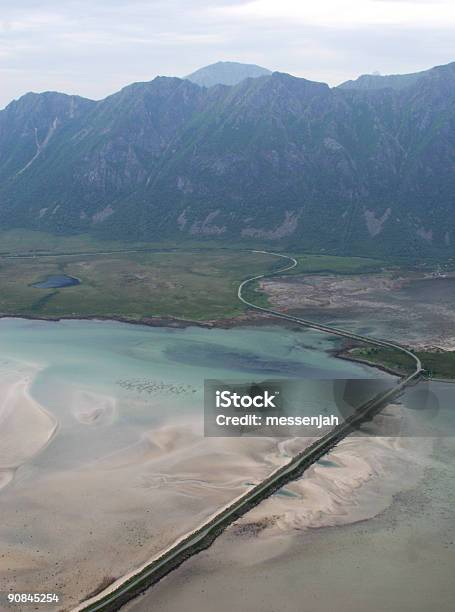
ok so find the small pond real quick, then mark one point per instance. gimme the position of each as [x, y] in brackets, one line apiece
[56, 281]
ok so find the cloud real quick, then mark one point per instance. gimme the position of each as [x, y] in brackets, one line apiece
[94, 48]
[348, 13]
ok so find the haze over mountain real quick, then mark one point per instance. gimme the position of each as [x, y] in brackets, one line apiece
[379, 81]
[273, 159]
[226, 73]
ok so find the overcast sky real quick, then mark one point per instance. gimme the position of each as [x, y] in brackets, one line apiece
[94, 47]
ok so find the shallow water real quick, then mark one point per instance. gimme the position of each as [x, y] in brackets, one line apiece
[127, 470]
[401, 560]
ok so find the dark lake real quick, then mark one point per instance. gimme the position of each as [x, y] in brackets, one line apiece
[57, 281]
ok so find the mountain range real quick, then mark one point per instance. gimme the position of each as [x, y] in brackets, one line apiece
[364, 168]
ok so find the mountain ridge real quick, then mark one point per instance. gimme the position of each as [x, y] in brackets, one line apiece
[394, 81]
[226, 73]
[273, 159]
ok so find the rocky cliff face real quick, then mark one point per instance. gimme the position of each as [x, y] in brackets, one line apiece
[274, 159]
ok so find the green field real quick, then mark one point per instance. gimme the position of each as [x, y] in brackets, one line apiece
[437, 364]
[196, 281]
[190, 285]
[28, 242]
[332, 264]
[32, 242]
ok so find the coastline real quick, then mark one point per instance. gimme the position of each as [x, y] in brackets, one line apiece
[343, 353]
[180, 468]
[159, 321]
[252, 318]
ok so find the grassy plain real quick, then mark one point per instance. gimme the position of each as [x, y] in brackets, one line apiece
[333, 264]
[438, 364]
[197, 281]
[13, 242]
[188, 285]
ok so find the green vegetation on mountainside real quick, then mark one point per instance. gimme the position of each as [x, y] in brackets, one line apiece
[278, 161]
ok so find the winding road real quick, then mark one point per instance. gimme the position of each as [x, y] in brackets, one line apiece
[124, 589]
[334, 331]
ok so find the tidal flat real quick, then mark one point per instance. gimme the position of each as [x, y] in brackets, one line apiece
[371, 527]
[415, 307]
[104, 462]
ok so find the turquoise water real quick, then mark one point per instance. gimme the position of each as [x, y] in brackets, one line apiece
[128, 470]
[101, 353]
[152, 374]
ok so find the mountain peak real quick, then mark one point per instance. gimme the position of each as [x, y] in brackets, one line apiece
[378, 81]
[226, 73]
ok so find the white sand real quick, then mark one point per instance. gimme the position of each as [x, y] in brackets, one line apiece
[351, 488]
[401, 560]
[122, 508]
[25, 426]
[356, 481]
[6, 477]
[91, 408]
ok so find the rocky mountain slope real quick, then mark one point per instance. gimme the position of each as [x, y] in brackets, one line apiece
[275, 160]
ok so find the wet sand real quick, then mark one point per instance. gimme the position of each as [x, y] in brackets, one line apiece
[372, 545]
[26, 427]
[67, 530]
[370, 528]
[106, 463]
[129, 472]
[416, 307]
